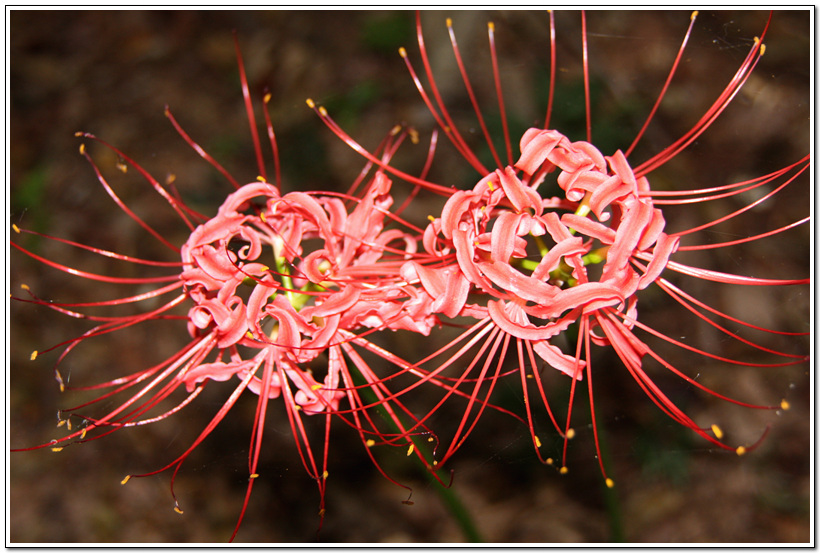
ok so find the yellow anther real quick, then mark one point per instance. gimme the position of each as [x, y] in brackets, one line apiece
[537, 442]
[16, 228]
[550, 461]
[321, 512]
[122, 167]
[395, 130]
[563, 470]
[449, 22]
[762, 49]
[435, 462]
[177, 509]
[530, 376]
[82, 436]
[310, 103]
[124, 480]
[402, 52]
[34, 355]
[315, 387]
[410, 450]
[68, 423]
[370, 443]
[170, 179]
[740, 450]
[785, 405]
[491, 26]
[82, 149]
[414, 136]
[254, 475]
[430, 439]
[322, 111]
[56, 449]
[693, 16]
[610, 483]
[297, 407]
[570, 433]
[490, 185]
[59, 424]
[718, 432]
[25, 287]
[266, 99]
[249, 334]
[431, 218]
[324, 475]
[260, 178]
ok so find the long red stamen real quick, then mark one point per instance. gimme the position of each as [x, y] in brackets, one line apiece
[734, 86]
[551, 94]
[173, 202]
[584, 331]
[199, 150]
[665, 85]
[585, 47]
[246, 95]
[322, 113]
[106, 253]
[273, 144]
[93, 276]
[501, 109]
[470, 92]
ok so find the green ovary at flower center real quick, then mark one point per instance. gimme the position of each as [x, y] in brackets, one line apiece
[285, 276]
[562, 275]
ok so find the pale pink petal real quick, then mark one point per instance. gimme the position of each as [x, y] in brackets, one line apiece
[218, 371]
[590, 296]
[559, 360]
[636, 218]
[335, 303]
[665, 247]
[510, 318]
[514, 282]
[504, 238]
[588, 227]
[536, 145]
[523, 198]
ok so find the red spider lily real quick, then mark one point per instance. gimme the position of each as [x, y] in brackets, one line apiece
[535, 266]
[278, 282]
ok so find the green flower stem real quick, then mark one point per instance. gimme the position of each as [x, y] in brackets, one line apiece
[611, 501]
[448, 496]
[457, 509]
[284, 272]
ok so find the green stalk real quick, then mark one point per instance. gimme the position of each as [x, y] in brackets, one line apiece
[447, 495]
[611, 501]
[457, 509]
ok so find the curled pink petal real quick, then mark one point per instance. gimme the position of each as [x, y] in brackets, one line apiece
[559, 360]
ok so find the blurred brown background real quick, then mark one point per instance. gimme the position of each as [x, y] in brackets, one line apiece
[111, 73]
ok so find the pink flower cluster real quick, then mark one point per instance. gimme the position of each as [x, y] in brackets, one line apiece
[323, 281]
[489, 229]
